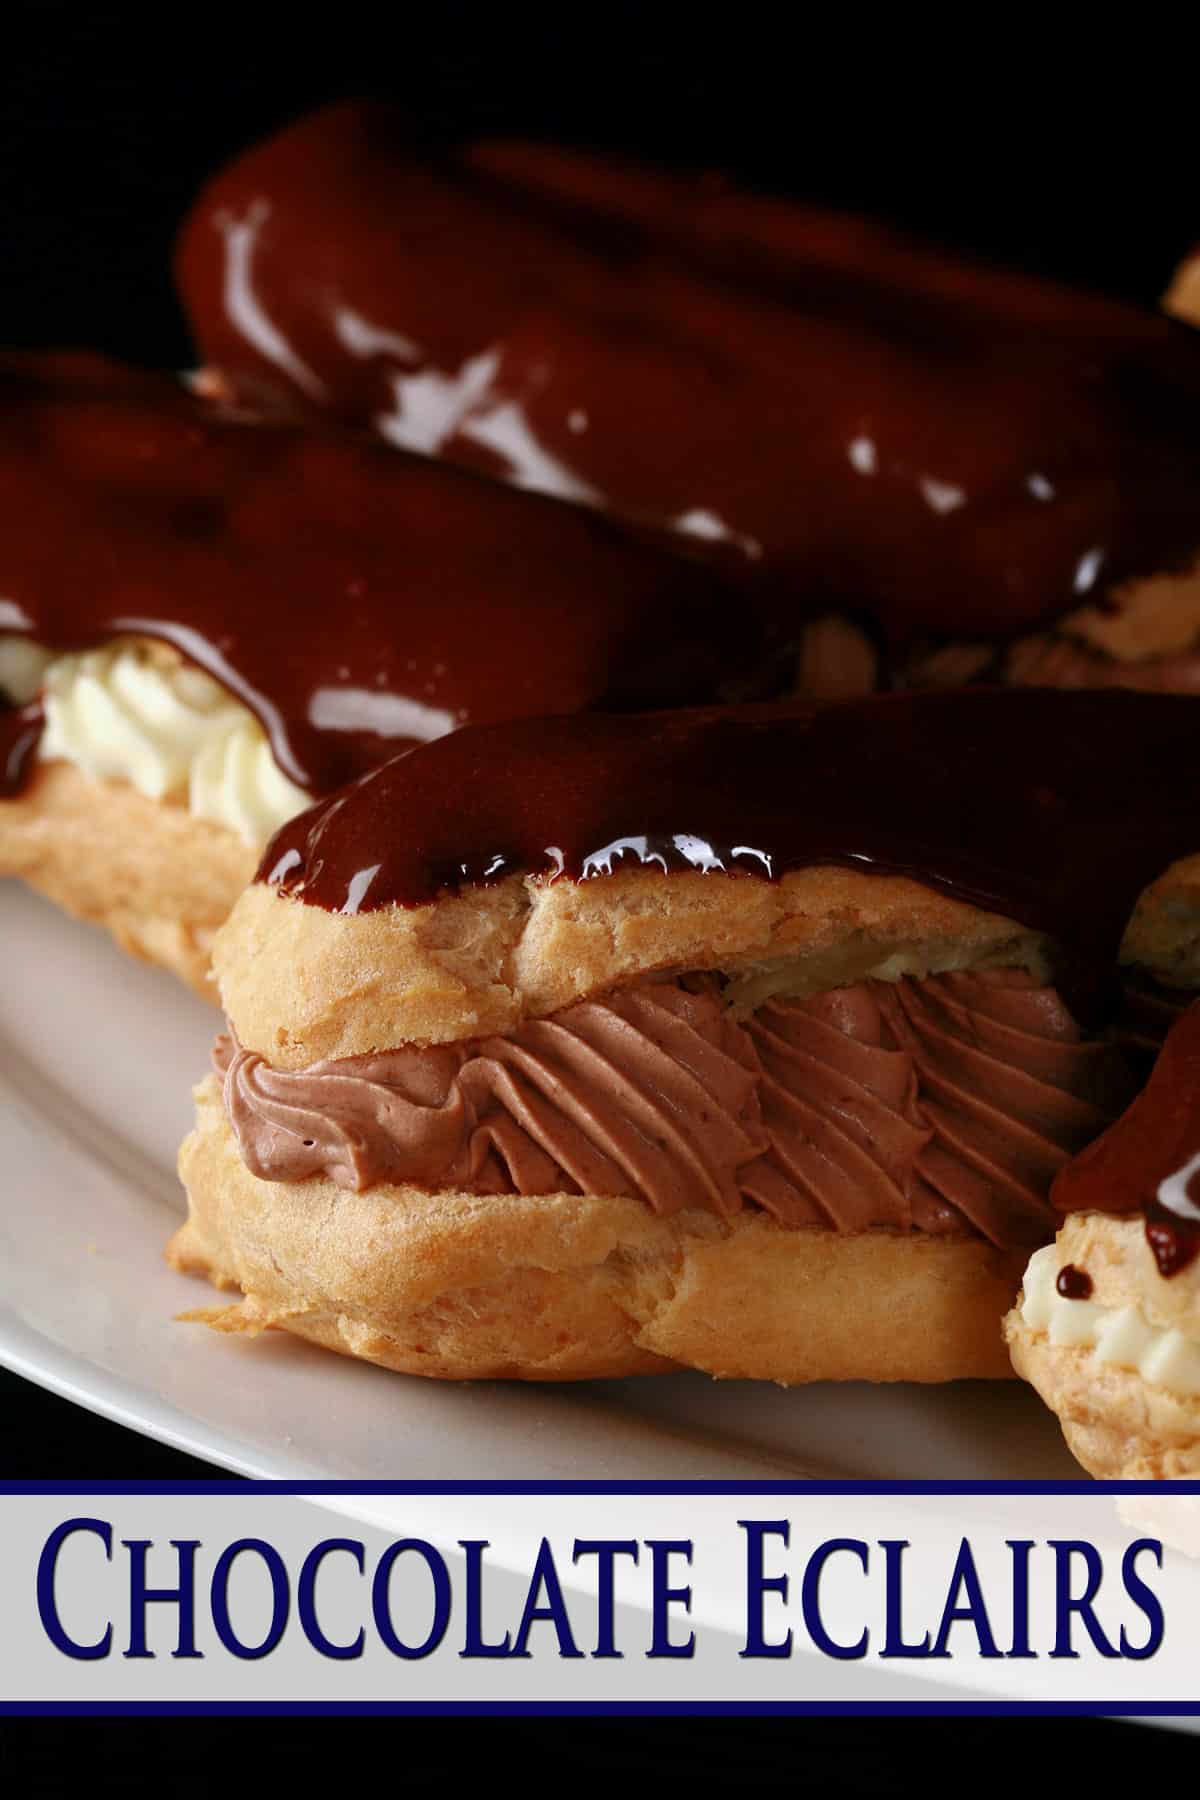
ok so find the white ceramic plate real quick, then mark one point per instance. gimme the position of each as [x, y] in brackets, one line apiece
[97, 1059]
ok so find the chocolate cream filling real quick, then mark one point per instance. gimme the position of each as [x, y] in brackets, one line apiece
[945, 1105]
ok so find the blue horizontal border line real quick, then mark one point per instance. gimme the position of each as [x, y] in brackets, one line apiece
[1175, 1709]
[766, 1489]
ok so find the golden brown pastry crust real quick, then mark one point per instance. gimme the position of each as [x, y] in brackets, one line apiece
[567, 1287]
[300, 984]
[1118, 1425]
[1163, 935]
[158, 879]
[1182, 298]
[1155, 616]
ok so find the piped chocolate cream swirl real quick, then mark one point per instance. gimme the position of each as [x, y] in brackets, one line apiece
[945, 1105]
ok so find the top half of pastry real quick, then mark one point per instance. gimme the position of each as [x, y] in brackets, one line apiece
[859, 423]
[344, 600]
[503, 874]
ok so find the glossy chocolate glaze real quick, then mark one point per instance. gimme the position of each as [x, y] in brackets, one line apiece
[1052, 809]
[1175, 1242]
[20, 731]
[1142, 1161]
[1073, 1283]
[861, 421]
[354, 599]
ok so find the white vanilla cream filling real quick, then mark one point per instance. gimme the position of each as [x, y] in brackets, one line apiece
[131, 712]
[1121, 1336]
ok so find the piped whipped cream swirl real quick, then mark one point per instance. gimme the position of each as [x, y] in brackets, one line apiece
[943, 1105]
[134, 711]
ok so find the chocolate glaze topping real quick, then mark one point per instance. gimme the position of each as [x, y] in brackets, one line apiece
[1145, 1160]
[1174, 1241]
[354, 599]
[1052, 809]
[864, 420]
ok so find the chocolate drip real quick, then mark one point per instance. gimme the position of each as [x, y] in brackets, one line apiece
[1073, 1283]
[1052, 809]
[20, 729]
[354, 599]
[1175, 1242]
[853, 417]
[1147, 1153]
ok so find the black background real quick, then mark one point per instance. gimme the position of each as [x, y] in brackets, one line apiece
[992, 127]
[1004, 130]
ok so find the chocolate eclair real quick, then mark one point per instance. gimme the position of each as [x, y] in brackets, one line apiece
[1107, 1326]
[927, 471]
[748, 1039]
[207, 621]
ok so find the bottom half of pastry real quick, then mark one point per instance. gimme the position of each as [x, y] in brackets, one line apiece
[160, 880]
[1113, 1349]
[573, 1286]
